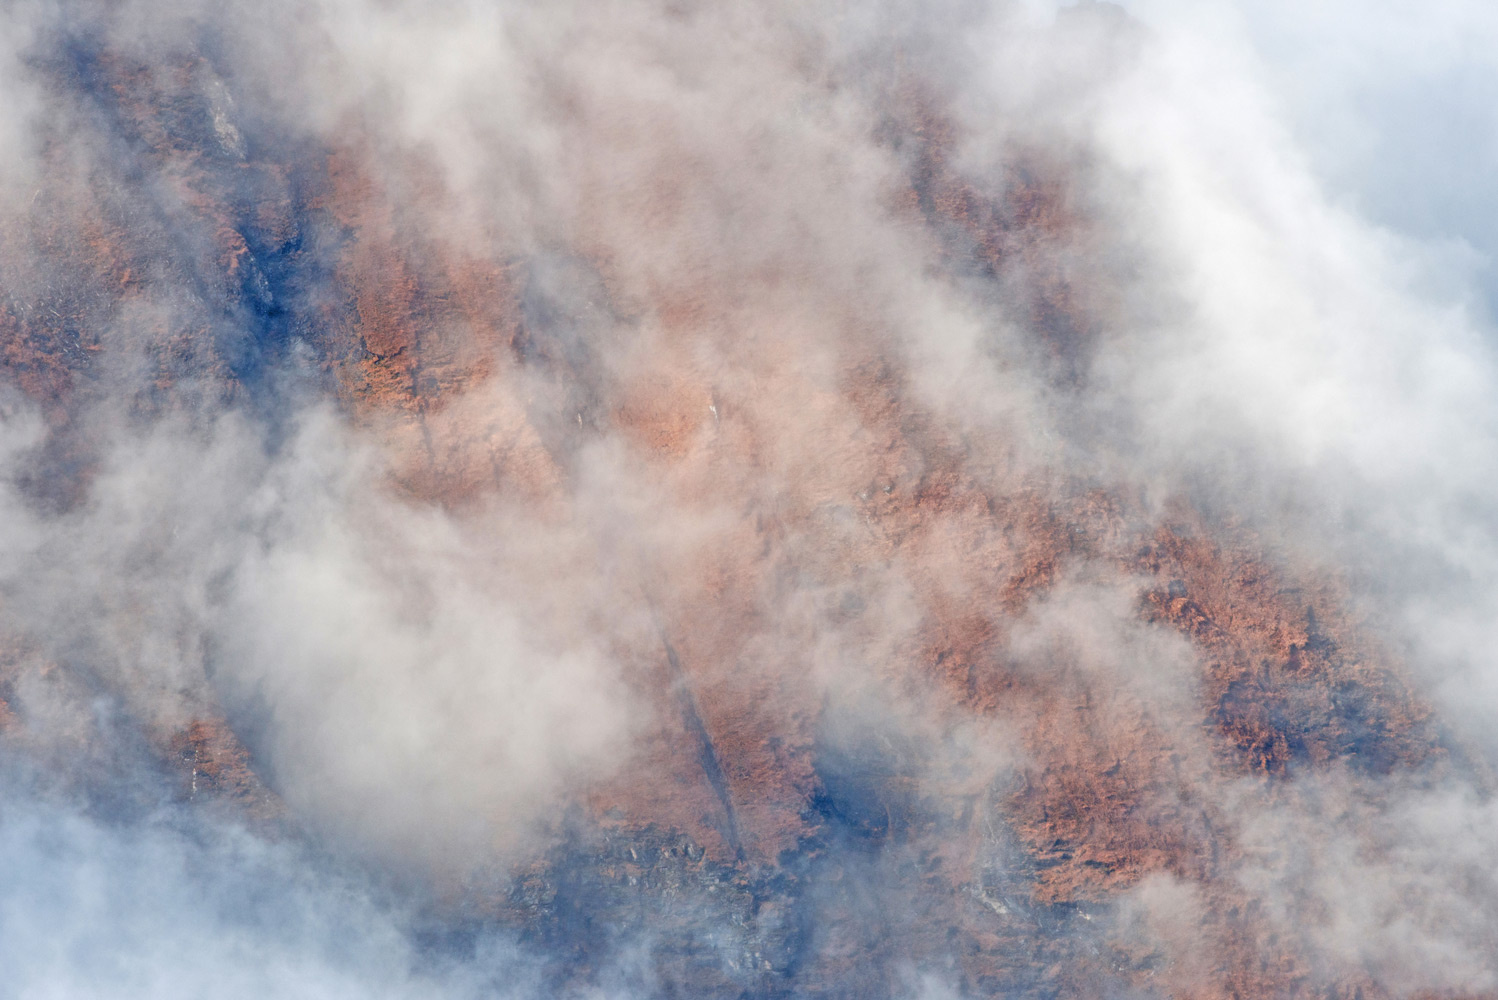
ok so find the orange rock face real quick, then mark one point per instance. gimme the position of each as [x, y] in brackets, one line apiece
[912, 705]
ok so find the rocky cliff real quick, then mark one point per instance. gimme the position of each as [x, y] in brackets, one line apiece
[924, 684]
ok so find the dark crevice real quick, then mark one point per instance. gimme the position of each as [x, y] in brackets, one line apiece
[707, 756]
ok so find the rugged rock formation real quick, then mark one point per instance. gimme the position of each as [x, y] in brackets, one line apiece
[990, 794]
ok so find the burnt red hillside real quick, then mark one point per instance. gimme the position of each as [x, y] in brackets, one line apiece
[915, 695]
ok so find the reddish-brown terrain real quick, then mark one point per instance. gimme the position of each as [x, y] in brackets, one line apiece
[917, 705]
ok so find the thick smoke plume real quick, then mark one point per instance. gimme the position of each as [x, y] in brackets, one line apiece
[678, 499]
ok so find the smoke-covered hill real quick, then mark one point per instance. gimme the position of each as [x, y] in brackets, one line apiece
[817, 499]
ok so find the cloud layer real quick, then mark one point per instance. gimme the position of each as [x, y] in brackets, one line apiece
[816, 499]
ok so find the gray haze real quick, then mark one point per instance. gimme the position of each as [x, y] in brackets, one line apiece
[1291, 252]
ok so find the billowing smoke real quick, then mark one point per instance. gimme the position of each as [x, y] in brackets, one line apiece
[680, 499]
